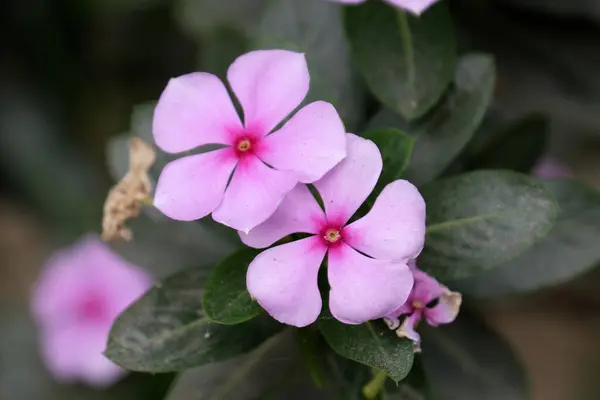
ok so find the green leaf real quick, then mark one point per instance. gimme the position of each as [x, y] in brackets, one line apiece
[466, 360]
[443, 133]
[166, 330]
[226, 299]
[407, 61]
[396, 147]
[372, 344]
[571, 248]
[416, 386]
[480, 220]
[516, 146]
[314, 27]
[271, 371]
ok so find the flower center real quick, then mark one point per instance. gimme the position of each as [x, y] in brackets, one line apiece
[93, 308]
[244, 145]
[417, 304]
[332, 235]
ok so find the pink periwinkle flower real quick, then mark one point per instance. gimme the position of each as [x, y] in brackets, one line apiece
[367, 259]
[429, 300]
[414, 6]
[195, 109]
[79, 294]
[549, 167]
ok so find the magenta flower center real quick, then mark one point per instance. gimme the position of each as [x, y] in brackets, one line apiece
[244, 145]
[92, 308]
[331, 235]
[417, 305]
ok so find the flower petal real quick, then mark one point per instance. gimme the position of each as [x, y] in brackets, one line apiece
[311, 143]
[253, 195]
[446, 310]
[348, 184]
[362, 288]
[192, 187]
[269, 84]
[283, 280]
[407, 329]
[75, 354]
[426, 288]
[193, 110]
[414, 6]
[298, 212]
[394, 229]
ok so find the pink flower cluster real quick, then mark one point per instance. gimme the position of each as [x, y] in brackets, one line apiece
[256, 182]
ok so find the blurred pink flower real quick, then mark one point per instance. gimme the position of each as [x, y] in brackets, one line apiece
[414, 6]
[367, 268]
[428, 299]
[195, 110]
[78, 295]
[549, 167]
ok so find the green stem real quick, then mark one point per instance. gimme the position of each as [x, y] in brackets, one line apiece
[371, 389]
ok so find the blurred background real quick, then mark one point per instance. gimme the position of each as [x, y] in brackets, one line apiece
[71, 73]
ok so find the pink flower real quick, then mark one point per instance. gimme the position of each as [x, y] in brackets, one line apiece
[414, 6]
[367, 268]
[195, 110]
[77, 297]
[428, 299]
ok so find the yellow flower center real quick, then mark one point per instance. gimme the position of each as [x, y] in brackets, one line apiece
[244, 145]
[332, 235]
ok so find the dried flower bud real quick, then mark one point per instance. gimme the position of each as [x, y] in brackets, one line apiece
[125, 200]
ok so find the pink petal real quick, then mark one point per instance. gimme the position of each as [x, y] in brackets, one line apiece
[192, 187]
[394, 229]
[446, 310]
[269, 84]
[253, 195]
[298, 212]
[407, 329]
[283, 280]
[193, 110]
[362, 288]
[74, 353]
[414, 6]
[348, 184]
[427, 288]
[549, 167]
[311, 143]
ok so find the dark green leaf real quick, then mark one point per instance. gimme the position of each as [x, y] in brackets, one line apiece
[226, 299]
[396, 147]
[220, 47]
[372, 344]
[314, 27]
[414, 387]
[466, 360]
[571, 248]
[480, 220]
[445, 131]
[271, 371]
[166, 330]
[407, 61]
[517, 146]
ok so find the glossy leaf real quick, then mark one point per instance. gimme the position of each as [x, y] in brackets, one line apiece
[371, 344]
[480, 220]
[166, 329]
[314, 27]
[571, 248]
[395, 147]
[226, 299]
[407, 61]
[444, 132]
[270, 371]
[466, 360]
